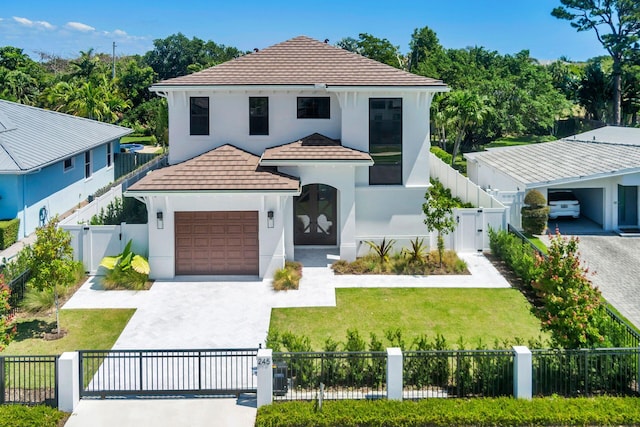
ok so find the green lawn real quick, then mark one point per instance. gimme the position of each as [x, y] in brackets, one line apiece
[474, 314]
[88, 330]
[520, 140]
[537, 242]
[146, 140]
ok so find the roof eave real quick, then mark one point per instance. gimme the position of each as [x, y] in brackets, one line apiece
[277, 192]
[160, 88]
[328, 162]
[570, 180]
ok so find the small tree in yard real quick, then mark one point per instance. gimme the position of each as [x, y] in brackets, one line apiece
[52, 262]
[438, 211]
[7, 325]
[573, 310]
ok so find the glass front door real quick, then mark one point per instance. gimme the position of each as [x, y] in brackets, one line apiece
[315, 215]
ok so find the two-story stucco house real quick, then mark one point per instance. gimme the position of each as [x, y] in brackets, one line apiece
[298, 144]
[50, 162]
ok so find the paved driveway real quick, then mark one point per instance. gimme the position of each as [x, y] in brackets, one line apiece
[616, 263]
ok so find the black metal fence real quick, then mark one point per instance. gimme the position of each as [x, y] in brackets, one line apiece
[458, 373]
[572, 373]
[167, 372]
[29, 380]
[18, 287]
[345, 375]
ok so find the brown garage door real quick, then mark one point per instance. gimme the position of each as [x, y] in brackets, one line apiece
[216, 243]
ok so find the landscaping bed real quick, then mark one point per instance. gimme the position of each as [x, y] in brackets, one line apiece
[400, 263]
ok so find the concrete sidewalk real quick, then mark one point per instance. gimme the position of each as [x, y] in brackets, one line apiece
[200, 412]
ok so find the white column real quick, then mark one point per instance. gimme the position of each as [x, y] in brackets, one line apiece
[394, 373]
[522, 373]
[68, 381]
[265, 377]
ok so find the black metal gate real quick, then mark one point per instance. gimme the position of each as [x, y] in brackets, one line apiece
[167, 372]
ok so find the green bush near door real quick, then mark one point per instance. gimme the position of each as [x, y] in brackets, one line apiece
[8, 232]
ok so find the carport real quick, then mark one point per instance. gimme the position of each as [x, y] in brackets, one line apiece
[601, 167]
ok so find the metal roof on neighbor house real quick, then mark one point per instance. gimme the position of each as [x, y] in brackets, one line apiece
[302, 61]
[223, 169]
[561, 161]
[31, 138]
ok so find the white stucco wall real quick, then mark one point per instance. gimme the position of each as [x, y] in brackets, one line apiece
[229, 121]
[162, 241]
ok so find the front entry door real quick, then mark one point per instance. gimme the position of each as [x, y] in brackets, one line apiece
[314, 215]
[627, 205]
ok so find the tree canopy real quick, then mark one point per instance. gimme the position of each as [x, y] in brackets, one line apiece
[616, 24]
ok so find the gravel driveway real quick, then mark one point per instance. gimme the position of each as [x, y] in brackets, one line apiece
[616, 263]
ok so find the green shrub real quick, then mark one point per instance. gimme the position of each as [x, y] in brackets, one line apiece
[288, 277]
[441, 154]
[454, 412]
[403, 264]
[518, 255]
[125, 271]
[30, 416]
[535, 215]
[9, 232]
[119, 210]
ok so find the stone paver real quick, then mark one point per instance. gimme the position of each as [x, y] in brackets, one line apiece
[616, 263]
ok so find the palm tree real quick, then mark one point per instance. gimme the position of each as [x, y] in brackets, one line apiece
[465, 109]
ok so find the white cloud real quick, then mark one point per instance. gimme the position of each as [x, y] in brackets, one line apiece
[79, 26]
[36, 24]
[120, 33]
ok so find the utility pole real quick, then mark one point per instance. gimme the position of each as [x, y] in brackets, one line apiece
[113, 66]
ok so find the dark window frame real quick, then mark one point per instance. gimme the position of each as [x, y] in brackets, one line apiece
[88, 164]
[258, 115]
[199, 121]
[70, 166]
[109, 155]
[318, 107]
[374, 177]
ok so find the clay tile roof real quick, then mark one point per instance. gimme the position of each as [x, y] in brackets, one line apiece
[225, 168]
[314, 147]
[302, 61]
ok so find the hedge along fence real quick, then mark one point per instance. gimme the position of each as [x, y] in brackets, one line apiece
[9, 232]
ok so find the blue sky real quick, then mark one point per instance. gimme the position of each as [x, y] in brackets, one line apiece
[64, 27]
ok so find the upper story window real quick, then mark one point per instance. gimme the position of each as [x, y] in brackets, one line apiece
[258, 115]
[88, 169]
[313, 107]
[109, 155]
[68, 164]
[385, 141]
[199, 115]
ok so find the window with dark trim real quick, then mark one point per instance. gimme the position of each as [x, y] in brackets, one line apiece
[258, 115]
[88, 170]
[68, 164]
[109, 155]
[385, 141]
[314, 107]
[199, 115]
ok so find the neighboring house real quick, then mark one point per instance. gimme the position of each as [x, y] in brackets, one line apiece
[601, 167]
[50, 162]
[299, 144]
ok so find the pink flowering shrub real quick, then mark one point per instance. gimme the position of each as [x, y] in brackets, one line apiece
[7, 321]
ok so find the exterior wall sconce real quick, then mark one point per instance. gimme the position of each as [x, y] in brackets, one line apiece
[270, 219]
[159, 220]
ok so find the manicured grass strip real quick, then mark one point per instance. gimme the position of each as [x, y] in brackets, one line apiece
[520, 140]
[31, 416]
[87, 330]
[475, 314]
[537, 242]
[454, 412]
[146, 140]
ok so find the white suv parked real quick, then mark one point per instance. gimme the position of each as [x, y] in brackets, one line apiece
[563, 203]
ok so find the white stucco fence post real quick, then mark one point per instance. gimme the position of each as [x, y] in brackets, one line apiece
[394, 373]
[522, 373]
[265, 377]
[68, 381]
